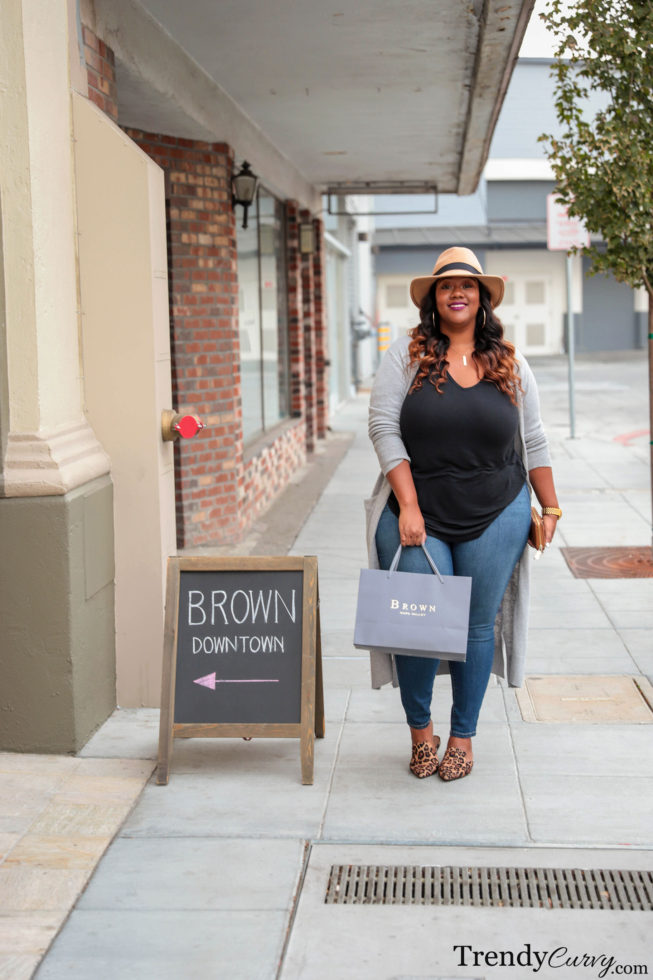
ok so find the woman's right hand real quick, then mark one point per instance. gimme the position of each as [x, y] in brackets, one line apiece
[411, 525]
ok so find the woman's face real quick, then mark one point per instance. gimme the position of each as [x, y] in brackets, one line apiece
[457, 301]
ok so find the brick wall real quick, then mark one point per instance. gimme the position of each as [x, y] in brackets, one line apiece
[204, 331]
[101, 73]
[267, 473]
[308, 324]
[295, 311]
[219, 492]
[321, 334]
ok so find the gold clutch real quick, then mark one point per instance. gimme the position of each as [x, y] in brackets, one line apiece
[536, 537]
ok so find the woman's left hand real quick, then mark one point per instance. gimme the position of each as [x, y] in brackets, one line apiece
[541, 478]
[550, 524]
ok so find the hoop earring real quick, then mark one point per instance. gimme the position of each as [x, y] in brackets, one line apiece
[484, 318]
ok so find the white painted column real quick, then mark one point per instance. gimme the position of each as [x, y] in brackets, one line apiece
[47, 444]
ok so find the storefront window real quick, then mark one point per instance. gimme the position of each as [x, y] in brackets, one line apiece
[263, 317]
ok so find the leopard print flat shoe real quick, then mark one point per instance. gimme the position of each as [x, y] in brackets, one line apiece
[455, 764]
[424, 760]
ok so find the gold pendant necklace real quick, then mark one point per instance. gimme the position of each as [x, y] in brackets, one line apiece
[464, 356]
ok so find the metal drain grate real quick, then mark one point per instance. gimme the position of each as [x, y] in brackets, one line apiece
[549, 888]
[609, 562]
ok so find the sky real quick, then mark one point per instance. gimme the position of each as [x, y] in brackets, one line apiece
[537, 43]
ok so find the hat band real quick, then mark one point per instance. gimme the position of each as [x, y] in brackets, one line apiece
[457, 265]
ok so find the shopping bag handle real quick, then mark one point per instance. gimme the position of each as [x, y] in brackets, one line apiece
[395, 562]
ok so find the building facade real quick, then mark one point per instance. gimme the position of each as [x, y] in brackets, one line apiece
[504, 222]
[131, 287]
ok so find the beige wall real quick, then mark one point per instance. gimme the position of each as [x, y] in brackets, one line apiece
[126, 363]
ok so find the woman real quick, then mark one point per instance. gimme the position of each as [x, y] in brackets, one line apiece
[454, 418]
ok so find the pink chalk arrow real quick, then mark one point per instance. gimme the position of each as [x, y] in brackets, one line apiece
[207, 681]
[210, 680]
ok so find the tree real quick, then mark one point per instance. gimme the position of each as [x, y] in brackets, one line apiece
[603, 164]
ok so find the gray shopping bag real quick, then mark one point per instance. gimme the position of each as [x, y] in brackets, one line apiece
[413, 613]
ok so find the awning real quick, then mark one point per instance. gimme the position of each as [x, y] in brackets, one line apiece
[367, 91]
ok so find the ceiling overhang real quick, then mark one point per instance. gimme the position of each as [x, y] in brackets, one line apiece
[376, 91]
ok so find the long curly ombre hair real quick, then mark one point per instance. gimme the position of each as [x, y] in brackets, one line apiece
[494, 355]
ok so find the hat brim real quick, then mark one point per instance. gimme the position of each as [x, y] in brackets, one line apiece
[494, 284]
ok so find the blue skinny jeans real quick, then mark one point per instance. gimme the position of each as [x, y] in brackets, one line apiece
[489, 560]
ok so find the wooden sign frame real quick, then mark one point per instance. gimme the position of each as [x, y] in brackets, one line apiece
[311, 722]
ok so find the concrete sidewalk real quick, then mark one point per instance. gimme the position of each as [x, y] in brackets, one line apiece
[223, 873]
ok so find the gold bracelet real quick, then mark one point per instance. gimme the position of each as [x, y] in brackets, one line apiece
[554, 511]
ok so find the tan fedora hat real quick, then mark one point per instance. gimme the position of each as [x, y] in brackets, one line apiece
[457, 261]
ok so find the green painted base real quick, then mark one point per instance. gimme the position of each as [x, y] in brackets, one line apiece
[57, 647]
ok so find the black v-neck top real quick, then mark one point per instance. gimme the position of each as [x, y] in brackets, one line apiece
[462, 448]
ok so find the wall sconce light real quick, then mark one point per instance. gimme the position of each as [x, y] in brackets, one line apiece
[307, 238]
[243, 189]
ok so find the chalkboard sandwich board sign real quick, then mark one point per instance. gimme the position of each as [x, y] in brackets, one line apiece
[242, 653]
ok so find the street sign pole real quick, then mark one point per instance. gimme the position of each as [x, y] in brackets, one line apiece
[562, 234]
[571, 351]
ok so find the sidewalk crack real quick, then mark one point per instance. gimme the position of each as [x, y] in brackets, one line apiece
[332, 775]
[308, 847]
[505, 691]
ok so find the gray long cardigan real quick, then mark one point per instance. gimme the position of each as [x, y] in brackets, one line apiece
[393, 379]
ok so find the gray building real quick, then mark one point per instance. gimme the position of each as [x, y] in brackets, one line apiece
[504, 221]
